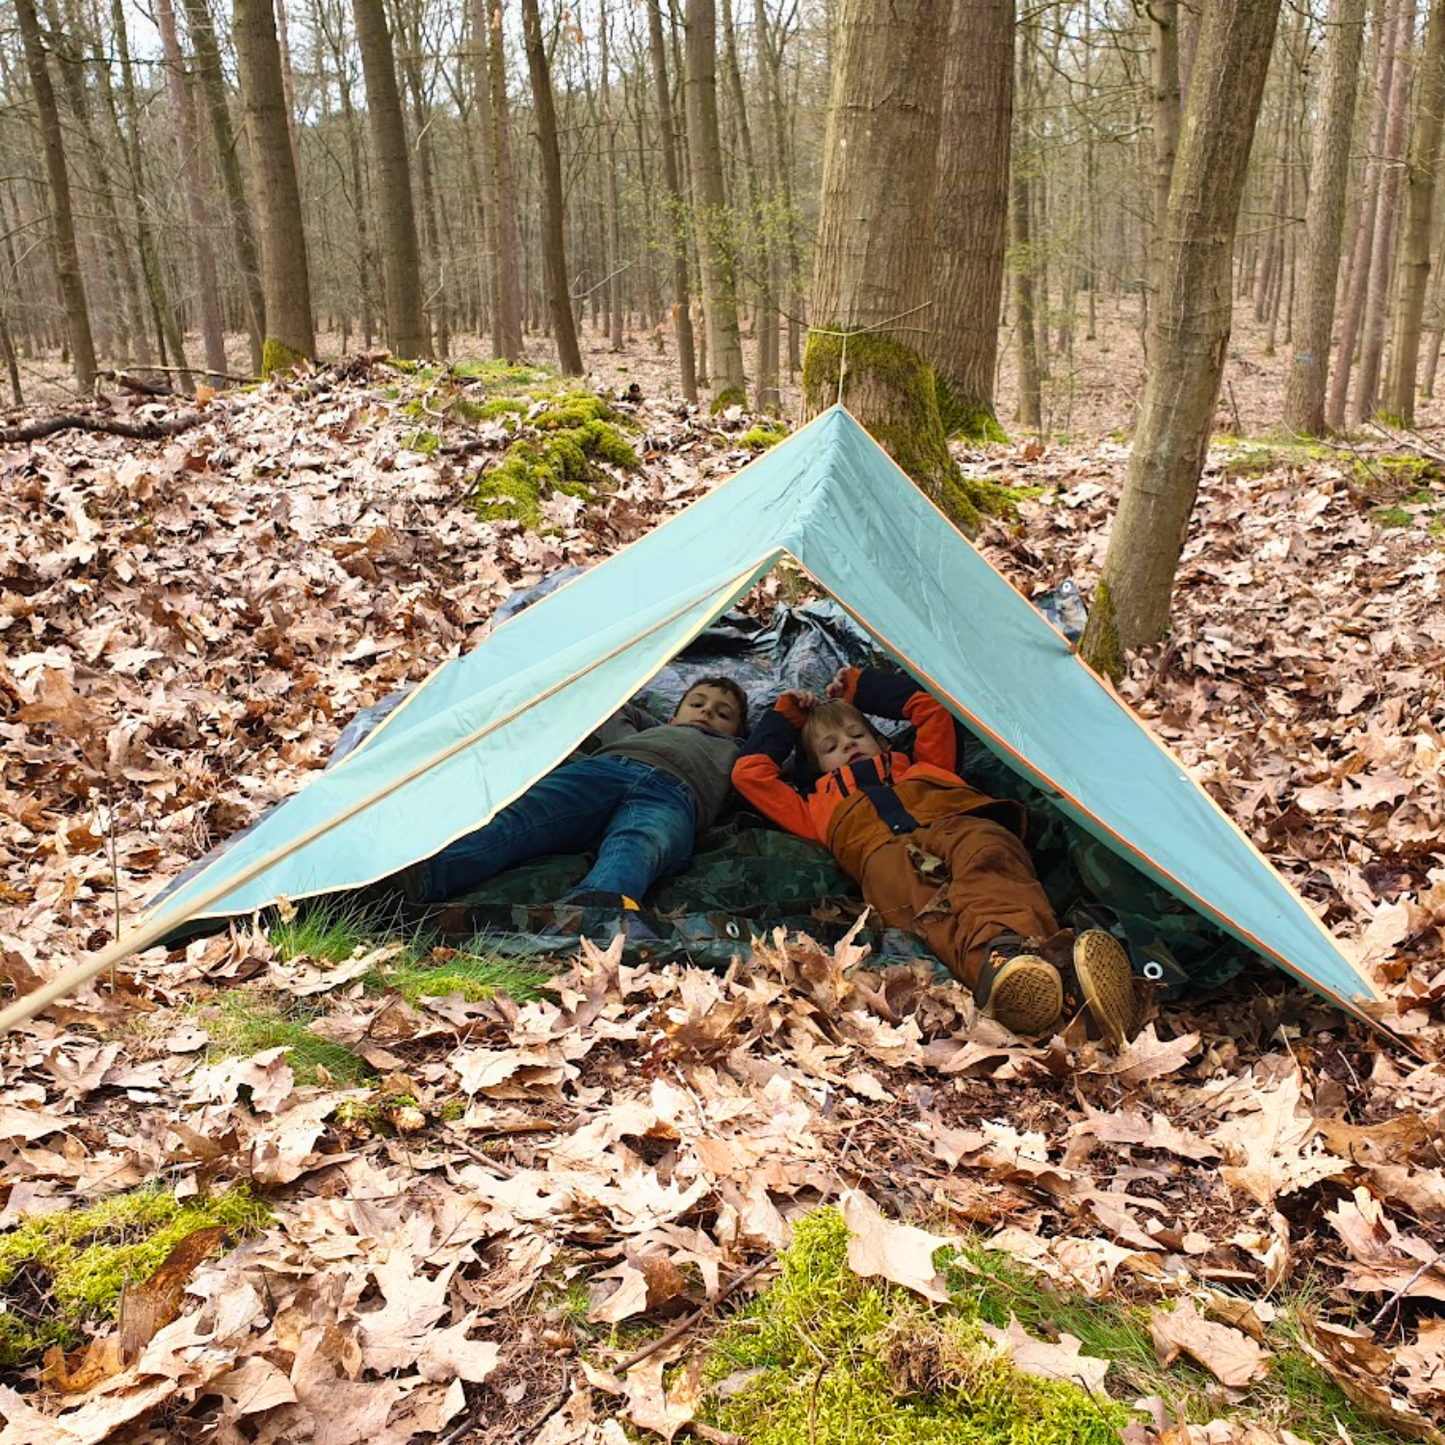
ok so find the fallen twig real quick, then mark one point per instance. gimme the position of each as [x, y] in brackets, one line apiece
[683, 1326]
[146, 431]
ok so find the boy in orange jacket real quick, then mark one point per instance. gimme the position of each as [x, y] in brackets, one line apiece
[933, 855]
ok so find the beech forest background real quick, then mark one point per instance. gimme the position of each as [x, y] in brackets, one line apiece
[414, 126]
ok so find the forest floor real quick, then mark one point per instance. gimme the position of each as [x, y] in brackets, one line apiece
[477, 1211]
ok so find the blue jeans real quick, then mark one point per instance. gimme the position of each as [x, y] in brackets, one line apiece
[639, 820]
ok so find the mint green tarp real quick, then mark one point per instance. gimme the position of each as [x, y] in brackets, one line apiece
[484, 727]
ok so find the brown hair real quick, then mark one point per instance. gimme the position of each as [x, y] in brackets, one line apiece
[834, 713]
[723, 684]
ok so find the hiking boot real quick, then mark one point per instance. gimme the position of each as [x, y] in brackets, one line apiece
[1017, 988]
[577, 911]
[1106, 980]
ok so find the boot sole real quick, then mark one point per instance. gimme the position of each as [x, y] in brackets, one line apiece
[1106, 979]
[1027, 995]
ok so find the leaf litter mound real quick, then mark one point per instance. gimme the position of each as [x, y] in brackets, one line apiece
[185, 626]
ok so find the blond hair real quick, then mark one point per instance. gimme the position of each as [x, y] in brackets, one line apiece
[833, 713]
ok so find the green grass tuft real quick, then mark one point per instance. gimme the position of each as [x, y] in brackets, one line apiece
[470, 971]
[248, 1021]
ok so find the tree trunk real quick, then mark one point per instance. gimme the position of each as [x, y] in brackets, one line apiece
[72, 40]
[1419, 206]
[873, 284]
[437, 303]
[218, 114]
[1372, 343]
[290, 328]
[1164, 89]
[508, 270]
[1304, 386]
[554, 243]
[677, 206]
[406, 331]
[1387, 17]
[1030, 385]
[614, 206]
[1189, 334]
[710, 209]
[67, 254]
[168, 332]
[212, 334]
[971, 213]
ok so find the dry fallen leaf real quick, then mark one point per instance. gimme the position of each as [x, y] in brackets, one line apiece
[1228, 1354]
[897, 1252]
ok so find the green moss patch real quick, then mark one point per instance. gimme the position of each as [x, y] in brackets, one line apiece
[62, 1274]
[575, 434]
[761, 438]
[857, 1362]
[968, 421]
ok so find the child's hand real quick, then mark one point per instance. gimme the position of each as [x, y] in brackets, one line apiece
[803, 701]
[795, 706]
[839, 686]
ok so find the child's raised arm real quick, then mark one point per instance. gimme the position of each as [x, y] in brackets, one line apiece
[896, 695]
[758, 773]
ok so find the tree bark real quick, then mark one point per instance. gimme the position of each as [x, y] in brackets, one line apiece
[1189, 333]
[710, 209]
[290, 327]
[554, 242]
[218, 115]
[1415, 231]
[212, 334]
[508, 270]
[1025, 163]
[971, 213]
[1387, 17]
[1166, 109]
[168, 332]
[406, 330]
[873, 284]
[1304, 386]
[677, 206]
[1372, 343]
[67, 253]
[614, 205]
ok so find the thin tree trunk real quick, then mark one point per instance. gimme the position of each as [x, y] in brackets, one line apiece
[218, 114]
[972, 209]
[67, 253]
[1190, 332]
[1419, 209]
[290, 327]
[437, 304]
[711, 216]
[1382, 251]
[406, 330]
[1304, 386]
[169, 340]
[212, 334]
[554, 245]
[506, 262]
[676, 210]
[614, 207]
[1030, 386]
[1387, 16]
[1164, 86]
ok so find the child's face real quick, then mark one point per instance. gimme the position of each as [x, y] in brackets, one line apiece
[713, 707]
[849, 742]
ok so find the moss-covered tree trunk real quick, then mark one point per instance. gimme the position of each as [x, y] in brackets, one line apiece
[1189, 331]
[971, 223]
[873, 284]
